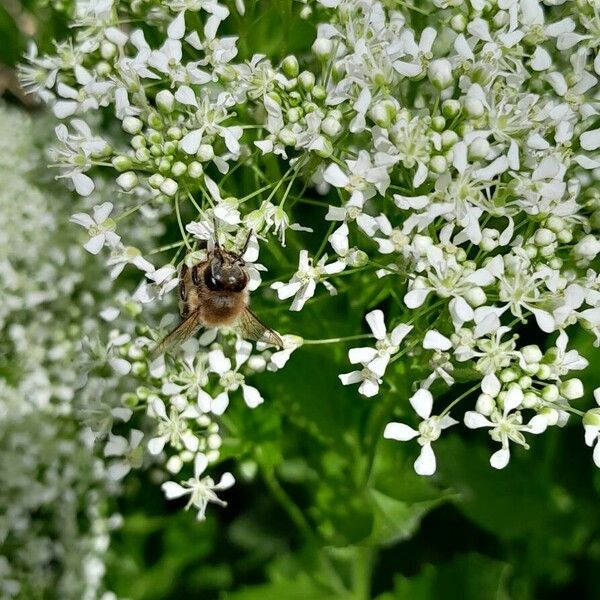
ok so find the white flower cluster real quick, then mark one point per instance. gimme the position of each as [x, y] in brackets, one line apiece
[54, 530]
[457, 143]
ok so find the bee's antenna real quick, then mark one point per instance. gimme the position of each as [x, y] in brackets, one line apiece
[245, 246]
[216, 234]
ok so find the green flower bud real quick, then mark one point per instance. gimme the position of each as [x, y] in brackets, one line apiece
[508, 375]
[383, 113]
[156, 180]
[294, 115]
[306, 80]
[319, 92]
[438, 123]
[142, 154]
[174, 133]
[169, 147]
[458, 23]
[137, 142]
[592, 418]
[155, 121]
[121, 163]
[287, 137]
[154, 137]
[550, 393]
[164, 166]
[290, 66]
[543, 371]
[530, 400]
[450, 108]
[323, 147]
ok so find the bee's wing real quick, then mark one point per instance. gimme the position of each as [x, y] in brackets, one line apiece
[252, 329]
[182, 332]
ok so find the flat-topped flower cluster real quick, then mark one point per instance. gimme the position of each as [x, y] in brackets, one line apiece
[456, 145]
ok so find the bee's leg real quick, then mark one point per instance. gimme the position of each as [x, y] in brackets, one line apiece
[195, 275]
[182, 288]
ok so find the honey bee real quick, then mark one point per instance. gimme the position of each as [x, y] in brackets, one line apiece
[214, 293]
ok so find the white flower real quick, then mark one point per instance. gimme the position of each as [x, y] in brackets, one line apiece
[130, 450]
[386, 345]
[591, 426]
[230, 380]
[304, 282]
[506, 426]
[429, 430]
[369, 377]
[100, 228]
[172, 428]
[124, 255]
[201, 490]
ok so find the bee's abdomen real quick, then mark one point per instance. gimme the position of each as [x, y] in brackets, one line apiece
[223, 308]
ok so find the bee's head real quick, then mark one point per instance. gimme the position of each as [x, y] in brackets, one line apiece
[225, 272]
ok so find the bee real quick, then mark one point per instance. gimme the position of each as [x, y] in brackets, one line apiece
[214, 293]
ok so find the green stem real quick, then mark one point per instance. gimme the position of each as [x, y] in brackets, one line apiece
[362, 572]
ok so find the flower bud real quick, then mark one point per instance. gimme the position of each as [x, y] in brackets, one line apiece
[287, 137]
[142, 155]
[205, 152]
[450, 108]
[169, 187]
[475, 296]
[323, 147]
[322, 48]
[479, 148]
[544, 237]
[319, 92]
[587, 248]
[195, 170]
[137, 142]
[290, 66]
[121, 163]
[530, 400]
[383, 113]
[306, 80]
[178, 168]
[449, 138]
[331, 126]
[440, 74]
[572, 389]
[438, 123]
[550, 393]
[132, 125]
[531, 353]
[438, 164]
[155, 180]
[107, 50]
[174, 133]
[550, 414]
[508, 375]
[127, 181]
[474, 107]
[458, 23]
[155, 121]
[555, 224]
[485, 404]
[543, 372]
[564, 236]
[294, 115]
[165, 101]
[592, 418]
